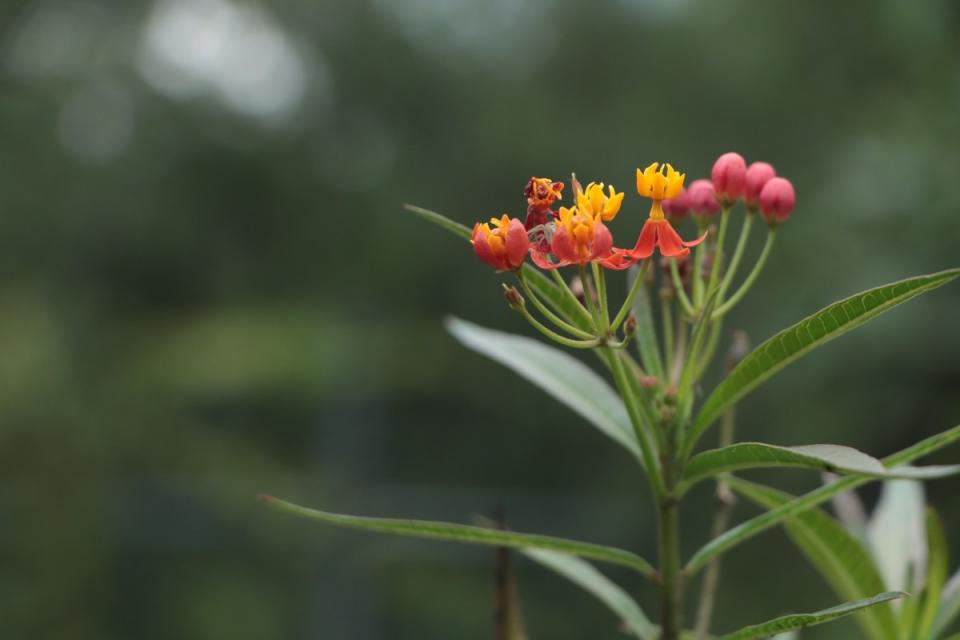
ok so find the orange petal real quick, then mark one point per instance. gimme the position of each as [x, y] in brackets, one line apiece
[517, 243]
[647, 240]
[671, 244]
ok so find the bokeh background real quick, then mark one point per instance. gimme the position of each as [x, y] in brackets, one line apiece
[209, 289]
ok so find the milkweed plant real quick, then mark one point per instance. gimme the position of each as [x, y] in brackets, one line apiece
[889, 571]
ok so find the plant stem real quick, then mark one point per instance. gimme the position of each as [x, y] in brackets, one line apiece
[666, 315]
[588, 295]
[737, 254]
[556, 337]
[757, 268]
[550, 315]
[721, 519]
[602, 294]
[631, 295]
[718, 251]
[630, 402]
[697, 276]
[671, 590]
[678, 288]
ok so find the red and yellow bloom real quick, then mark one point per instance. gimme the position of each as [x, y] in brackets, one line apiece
[601, 205]
[660, 183]
[504, 246]
[581, 237]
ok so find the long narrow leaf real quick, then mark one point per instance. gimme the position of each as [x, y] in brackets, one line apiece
[746, 530]
[559, 374]
[949, 606]
[938, 561]
[470, 534]
[824, 457]
[842, 560]
[801, 620]
[609, 593]
[808, 334]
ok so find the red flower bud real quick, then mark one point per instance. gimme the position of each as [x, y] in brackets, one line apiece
[677, 208]
[758, 174]
[777, 200]
[702, 198]
[505, 246]
[728, 175]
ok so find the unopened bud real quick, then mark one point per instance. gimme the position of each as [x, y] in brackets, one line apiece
[630, 326]
[513, 297]
[702, 198]
[777, 200]
[649, 382]
[728, 175]
[670, 396]
[758, 175]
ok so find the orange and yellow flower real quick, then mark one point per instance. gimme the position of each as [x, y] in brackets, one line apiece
[660, 183]
[601, 205]
[504, 246]
[581, 237]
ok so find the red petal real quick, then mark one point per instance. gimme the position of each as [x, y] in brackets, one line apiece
[542, 260]
[517, 243]
[618, 261]
[563, 245]
[602, 241]
[647, 240]
[694, 243]
[671, 244]
[483, 251]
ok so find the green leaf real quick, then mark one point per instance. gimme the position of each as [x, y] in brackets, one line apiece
[808, 334]
[845, 563]
[937, 562]
[587, 577]
[470, 534]
[441, 221]
[825, 457]
[561, 303]
[897, 536]
[646, 337]
[800, 620]
[949, 606]
[559, 374]
[746, 530]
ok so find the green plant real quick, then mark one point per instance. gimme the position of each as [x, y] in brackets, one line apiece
[655, 411]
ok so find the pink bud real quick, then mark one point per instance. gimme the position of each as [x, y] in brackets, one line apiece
[777, 200]
[758, 174]
[702, 198]
[677, 208]
[728, 175]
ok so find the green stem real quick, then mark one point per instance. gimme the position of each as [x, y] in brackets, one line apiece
[631, 295]
[671, 590]
[713, 340]
[737, 254]
[556, 337]
[696, 275]
[721, 519]
[550, 315]
[676, 367]
[630, 402]
[718, 251]
[745, 287]
[601, 281]
[666, 316]
[588, 295]
[678, 288]
[565, 288]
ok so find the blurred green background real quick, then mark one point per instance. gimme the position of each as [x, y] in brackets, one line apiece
[209, 289]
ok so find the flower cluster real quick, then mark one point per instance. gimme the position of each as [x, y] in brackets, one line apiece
[578, 235]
